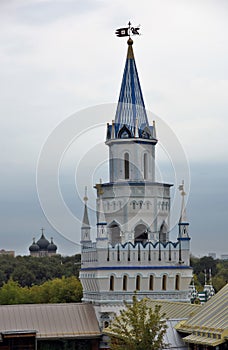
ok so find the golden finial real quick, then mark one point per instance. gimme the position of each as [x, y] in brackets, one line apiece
[99, 188]
[130, 41]
[130, 53]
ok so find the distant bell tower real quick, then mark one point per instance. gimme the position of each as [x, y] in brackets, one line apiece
[133, 251]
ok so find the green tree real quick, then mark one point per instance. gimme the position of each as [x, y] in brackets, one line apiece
[138, 327]
[58, 290]
[11, 293]
[218, 282]
[23, 276]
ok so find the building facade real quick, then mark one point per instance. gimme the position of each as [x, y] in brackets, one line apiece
[133, 252]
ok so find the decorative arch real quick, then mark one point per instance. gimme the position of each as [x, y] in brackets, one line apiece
[133, 203]
[124, 133]
[141, 233]
[140, 204]
[163, 232]
[146, 133]
[114, 231]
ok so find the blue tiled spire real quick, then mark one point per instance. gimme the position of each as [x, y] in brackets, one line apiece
[130, 105]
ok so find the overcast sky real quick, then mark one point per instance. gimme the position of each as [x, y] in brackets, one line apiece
[60, 57]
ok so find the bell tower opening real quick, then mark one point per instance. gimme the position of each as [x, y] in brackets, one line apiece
[141, 234]
[114, 230]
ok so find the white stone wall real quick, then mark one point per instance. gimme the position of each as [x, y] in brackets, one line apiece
[96, 284]
[136, 150]
[130, 205]
[98, 265]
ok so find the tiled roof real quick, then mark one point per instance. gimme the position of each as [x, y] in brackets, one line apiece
[50, 320]
[175, 310]
[195, 339]
[213, 314]
[210, 324]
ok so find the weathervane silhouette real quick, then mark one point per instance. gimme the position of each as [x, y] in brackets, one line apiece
[128, 31]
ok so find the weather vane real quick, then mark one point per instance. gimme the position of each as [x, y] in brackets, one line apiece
[128, 31]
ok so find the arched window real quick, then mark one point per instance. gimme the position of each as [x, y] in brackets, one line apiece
[111, 282]
[145, 166]
[164, 282]
[151, 282]
[163, 232]
[177, 282]
[114, 231]
[124, 282]
[137, 287]
[141, 234]
[126, 165]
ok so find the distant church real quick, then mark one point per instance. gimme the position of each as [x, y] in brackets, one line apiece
[42, 247]
[133, 251]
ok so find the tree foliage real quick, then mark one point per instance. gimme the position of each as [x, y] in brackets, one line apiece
[58, 290]
[28, 270]
[138, 327]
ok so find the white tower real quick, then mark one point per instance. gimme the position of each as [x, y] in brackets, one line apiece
[132, 251]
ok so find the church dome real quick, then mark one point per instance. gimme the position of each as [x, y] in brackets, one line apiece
[43, 242]
[34, 247]
[52, 247]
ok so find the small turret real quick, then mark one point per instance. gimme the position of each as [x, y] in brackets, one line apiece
[183, 223]
[208, 287]
[154, 133]
[183, 236]
[102, 235]
[85, 229]
[193, 294]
